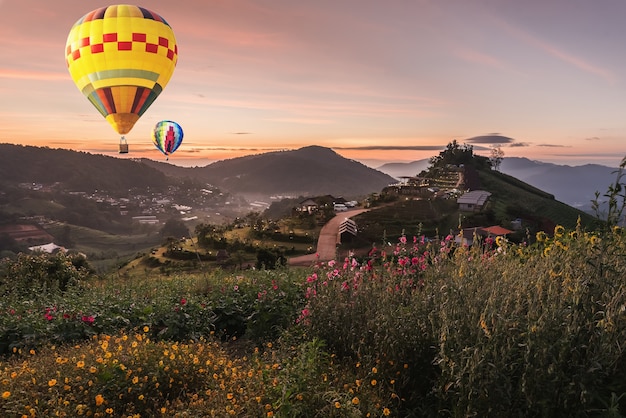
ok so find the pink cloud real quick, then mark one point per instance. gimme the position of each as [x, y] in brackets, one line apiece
[559, 53]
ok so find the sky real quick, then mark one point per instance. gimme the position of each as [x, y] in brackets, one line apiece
[376, 81]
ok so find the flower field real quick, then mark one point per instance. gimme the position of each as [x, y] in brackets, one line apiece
[416, 328]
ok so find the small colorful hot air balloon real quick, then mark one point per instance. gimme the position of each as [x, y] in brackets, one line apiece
[121, 57]
[167, 136]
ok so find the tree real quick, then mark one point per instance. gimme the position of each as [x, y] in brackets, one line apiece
[174, 228]
[496, 157]
[454, 154]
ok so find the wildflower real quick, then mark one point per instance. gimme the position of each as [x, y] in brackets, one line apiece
[109, 411]
[374, 370]
[559, 230]
[541, 236]
[89, 320]
[6, 394]
[337, 405]
[373, 382]
[146, 328]
[80, 364]
[229, 396]
[99, 400]
[52, 382]
[386, 412]
[355, 401]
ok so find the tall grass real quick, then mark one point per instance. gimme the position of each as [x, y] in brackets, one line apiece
[416, 328]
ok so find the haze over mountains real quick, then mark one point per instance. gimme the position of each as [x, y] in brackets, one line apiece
[307, 171]
[573, 185]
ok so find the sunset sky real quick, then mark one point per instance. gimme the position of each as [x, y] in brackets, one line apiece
[376, 81]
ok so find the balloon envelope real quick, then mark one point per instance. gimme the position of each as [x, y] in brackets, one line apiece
[121, 57]
[167, 136]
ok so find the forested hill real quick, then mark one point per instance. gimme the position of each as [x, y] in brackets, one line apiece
[306, 171]
[76, 170]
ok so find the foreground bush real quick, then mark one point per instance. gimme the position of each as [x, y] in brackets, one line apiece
[492, 330]
[419, 328]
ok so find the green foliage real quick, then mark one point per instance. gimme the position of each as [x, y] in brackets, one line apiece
[415, 328]
[174, 228]
[42, 273]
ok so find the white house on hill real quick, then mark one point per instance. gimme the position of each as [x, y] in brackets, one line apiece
[473, 201]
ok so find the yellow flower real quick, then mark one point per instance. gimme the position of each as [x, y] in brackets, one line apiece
[146, 329]
[374, 370]
[99, 400]
[355, 401]
[163, 410]
[52, 382]
[337, 405]
[386, 412]
[373, 382]
[80, 364]
[135, 380]
[229, 396]
[559, 230]
[541, 236]
[6, 394]
[141, 397]
[92, 369]
[109, 411]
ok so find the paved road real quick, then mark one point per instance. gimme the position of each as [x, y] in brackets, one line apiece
[327, 241]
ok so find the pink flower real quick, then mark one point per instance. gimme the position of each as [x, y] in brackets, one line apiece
[403, 239]
[48, 317]
[183, 301]
[88, 319]
[235, 288]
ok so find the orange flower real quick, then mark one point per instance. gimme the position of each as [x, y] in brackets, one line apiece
[99, 400]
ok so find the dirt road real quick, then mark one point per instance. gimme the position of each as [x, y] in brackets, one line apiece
[327, 241]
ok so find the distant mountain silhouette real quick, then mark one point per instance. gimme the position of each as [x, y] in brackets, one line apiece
[311, 170]
[573, 185]
[399, 170]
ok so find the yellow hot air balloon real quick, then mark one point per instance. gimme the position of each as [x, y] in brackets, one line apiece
[121, 57]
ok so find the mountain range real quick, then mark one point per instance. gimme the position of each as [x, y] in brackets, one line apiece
[307, 171]
[573, 185]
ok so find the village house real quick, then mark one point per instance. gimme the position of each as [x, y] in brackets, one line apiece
[473, 201]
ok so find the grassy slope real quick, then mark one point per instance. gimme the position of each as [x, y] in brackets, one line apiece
[512, 197]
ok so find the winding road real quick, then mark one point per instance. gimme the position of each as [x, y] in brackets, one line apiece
[327, 241]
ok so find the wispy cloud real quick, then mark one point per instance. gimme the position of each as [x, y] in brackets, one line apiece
[559, 53]
[490, 139]
[393, 148]
[477, 57]
[554, 146]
